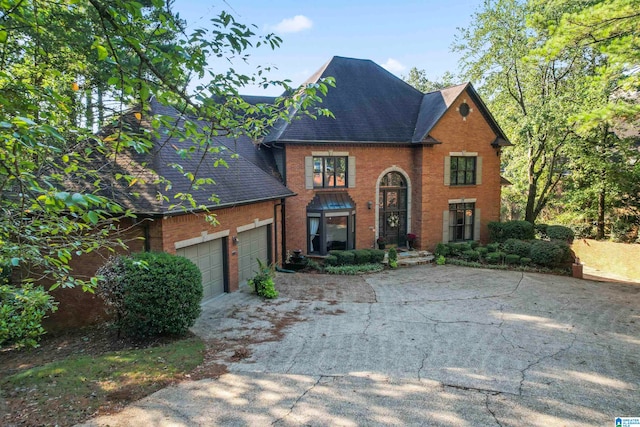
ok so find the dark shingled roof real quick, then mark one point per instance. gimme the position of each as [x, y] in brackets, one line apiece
[372, 105]
[251, 175]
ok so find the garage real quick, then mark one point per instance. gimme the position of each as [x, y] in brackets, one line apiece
[252, 245]
[209, 258]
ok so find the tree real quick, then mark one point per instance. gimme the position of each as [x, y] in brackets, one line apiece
[418, 79]
[531, 97]
[128, 53]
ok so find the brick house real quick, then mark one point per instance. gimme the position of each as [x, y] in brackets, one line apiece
[393, 161]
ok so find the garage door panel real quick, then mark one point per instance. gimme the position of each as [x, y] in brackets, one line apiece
[253, 245]
[209, 258]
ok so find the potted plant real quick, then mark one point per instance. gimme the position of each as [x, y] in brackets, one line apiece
[381, 242]
[411, 239]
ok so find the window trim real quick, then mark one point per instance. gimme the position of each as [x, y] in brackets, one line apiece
[448, 172]
[461, 206]
[454, 173]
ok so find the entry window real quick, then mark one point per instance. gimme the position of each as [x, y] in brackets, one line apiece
[329, 172]
[463, 171]
[461, 220]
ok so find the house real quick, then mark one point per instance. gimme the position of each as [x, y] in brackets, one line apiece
[393, 161]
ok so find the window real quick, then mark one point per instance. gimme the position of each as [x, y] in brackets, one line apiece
[463, 171]
[461, 221]
[329, 172]
[331, 221]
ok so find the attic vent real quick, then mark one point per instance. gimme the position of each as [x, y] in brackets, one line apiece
[464, 109]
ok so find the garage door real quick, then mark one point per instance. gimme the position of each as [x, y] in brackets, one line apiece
[209, 259]
[252, 245]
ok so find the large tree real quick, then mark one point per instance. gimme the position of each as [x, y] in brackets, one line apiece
[55, 57]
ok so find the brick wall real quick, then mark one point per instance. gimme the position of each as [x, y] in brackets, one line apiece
[424, 168]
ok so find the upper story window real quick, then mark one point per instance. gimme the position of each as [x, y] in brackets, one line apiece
[329, 172]
[463, 170]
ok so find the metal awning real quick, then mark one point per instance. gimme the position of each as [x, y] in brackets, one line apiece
[331, 202]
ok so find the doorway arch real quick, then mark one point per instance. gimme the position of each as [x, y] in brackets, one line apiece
[393, 207]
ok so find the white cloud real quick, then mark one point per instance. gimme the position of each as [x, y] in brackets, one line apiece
[293, 25]
[393, 65]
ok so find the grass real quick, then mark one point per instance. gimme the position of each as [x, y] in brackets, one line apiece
[72, 389]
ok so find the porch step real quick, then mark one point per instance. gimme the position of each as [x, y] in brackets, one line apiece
[410, 258]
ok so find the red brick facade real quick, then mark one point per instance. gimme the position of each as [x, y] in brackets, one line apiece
[422, 166]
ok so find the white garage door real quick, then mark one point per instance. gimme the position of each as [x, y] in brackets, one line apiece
[252, 246]
[209, 259]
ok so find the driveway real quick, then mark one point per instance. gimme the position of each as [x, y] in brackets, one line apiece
[417, 346]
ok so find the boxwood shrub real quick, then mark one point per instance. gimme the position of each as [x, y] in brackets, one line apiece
[525, 261]
[471, 255]
[376, 255]
[362, 256]
[482, 250]
[331, 260]
[551, 254]
[344, 257]
[152, 293]
[512, 259]
[560, 232]
[517, 247]
[495, 257]
[441, 250]
[493, 247]
[501, 231]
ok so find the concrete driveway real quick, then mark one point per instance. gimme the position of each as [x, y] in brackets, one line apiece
[426, 345]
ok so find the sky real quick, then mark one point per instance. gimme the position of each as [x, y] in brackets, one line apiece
[396, 34]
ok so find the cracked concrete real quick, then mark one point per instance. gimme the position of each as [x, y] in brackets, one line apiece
[419, 346]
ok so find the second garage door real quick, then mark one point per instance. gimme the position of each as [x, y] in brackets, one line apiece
[209, 258]
[252, 245]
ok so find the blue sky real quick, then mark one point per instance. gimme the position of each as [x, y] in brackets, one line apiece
[397, 35]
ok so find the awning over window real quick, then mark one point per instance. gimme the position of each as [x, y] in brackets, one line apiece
[331, 202]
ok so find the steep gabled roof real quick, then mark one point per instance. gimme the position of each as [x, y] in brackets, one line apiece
[369, 104]
[243, 181]
[372, 105]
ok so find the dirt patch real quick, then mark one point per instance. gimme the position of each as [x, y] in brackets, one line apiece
[324, 287]
[620, 259]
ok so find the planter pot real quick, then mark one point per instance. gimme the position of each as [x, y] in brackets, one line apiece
[576, 270]
[381, 245]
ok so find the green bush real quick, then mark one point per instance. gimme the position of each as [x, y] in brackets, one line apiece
[5, 273]
[501, 231]
[550, 254]
[441, 250]
[512, 259]
[541, 231]
[393, 258]
[376, 255]
[560, 232]
[441, 260]
[517, 247]
[495, 257]
[361, 256]
[344, 257]
[525, 261]
[470, 255]
[355, 269]
[493, 247]
[312, 264]
[474, 244]
[22, 310]
[263, 282]
[331, 260]
[152, 293]
[482, 251]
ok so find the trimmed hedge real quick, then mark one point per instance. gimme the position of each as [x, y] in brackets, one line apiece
[376, 255]
[493, 247]
[525, 261]
[152, 293]
[362, 256]
[512, 259]
[471, 255]
[501, 231]
[331, 260]
[495, 257]
[483, 251]
[560, 232]
[441, 250]
[550, 254]
[521, 248]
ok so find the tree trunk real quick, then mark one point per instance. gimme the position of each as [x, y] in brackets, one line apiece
[601, 206]
[100, 106]
[89, 108]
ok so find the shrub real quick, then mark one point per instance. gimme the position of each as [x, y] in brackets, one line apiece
[541, 231]
[517, 247]
[354, 269]
[471, 255]
[263, 282]
[441, 250]
[501, 231]
[22, 310]
[482, 251]
[560, 232]
[376, 255]
[152, 293]
[5, 273]
[393, 258]
[312, 264]
[474, 244]
[512, 259]
[344, 257]
[493, 247]
[331, 260]
[550, 254]
[495, 257]
[441, 260]
[362, 256]
[525, 261]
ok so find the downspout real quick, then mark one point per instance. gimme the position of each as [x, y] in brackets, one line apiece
[147, 236]
[282, 227]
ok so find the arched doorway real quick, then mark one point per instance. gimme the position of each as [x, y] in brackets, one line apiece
[392, 209]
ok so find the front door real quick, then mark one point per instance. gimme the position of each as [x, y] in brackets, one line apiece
[392, 203]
